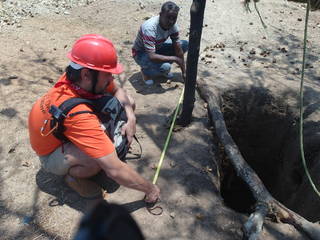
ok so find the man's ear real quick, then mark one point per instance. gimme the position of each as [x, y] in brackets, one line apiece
[85, 75]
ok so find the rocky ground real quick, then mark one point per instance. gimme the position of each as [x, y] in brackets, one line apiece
[237, 55]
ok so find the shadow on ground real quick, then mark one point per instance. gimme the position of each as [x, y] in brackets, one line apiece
[55, 186]
[156, 88]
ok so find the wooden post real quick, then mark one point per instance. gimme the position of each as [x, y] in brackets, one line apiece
[196, 23]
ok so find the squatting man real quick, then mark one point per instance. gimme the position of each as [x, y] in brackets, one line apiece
[153, 51]
[88, 148]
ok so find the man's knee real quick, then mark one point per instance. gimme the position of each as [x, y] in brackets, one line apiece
[184, 45]
[80, 163]
[165, 67]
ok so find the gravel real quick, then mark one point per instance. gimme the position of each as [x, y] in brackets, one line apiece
[13, 11]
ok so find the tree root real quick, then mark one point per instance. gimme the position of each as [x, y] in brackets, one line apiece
[266, 204]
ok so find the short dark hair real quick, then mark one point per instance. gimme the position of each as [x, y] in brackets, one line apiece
[169, 6]
[73, 75]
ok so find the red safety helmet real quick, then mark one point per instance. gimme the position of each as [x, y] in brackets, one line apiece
[95, 52]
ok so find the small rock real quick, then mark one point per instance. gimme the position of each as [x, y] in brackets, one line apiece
[284, 50]
[205, 105]
[299, 19]
[168, 81]
[274, 60]
[199, 216]
[66, 13]
[13, 77]
[21, 50]
[253, 51]
[141, 5]
[25, 164]
[173, 164]
[153, 166]
[172, 215]
[12, 150]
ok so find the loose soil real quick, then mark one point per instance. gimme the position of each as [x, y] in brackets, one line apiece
[255, 71]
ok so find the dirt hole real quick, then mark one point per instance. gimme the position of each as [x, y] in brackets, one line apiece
[263, 128]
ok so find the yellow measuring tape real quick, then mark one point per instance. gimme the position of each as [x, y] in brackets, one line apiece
[156, 175]
[150, 207]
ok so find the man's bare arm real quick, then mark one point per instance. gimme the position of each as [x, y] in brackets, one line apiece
[130, 128]
[128, 177]
[178, 58]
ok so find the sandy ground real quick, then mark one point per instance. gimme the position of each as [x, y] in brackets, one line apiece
[35, 205]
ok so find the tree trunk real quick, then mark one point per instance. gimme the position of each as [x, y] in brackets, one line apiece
[196, 13]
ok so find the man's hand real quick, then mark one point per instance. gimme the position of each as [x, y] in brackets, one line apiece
[153, 195]
[129, 130]
[180, 62]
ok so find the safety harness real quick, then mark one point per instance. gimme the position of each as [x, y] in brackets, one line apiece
[107, 108]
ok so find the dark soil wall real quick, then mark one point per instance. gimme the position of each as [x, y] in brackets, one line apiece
[266, 132]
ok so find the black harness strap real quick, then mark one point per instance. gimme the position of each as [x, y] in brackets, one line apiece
[62, 112]
[109, 111]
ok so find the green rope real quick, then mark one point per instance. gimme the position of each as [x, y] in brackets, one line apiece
[156, 175]
[301, 102]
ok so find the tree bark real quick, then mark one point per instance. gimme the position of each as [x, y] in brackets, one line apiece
[196, 13]
[266, 204]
